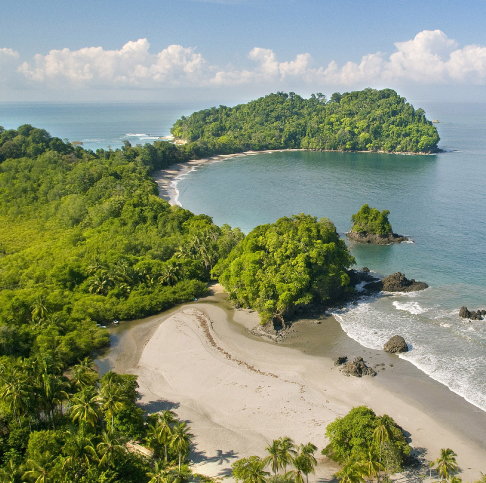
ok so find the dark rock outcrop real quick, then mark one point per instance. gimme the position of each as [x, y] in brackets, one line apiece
[399, 283]
[339, 361]
[396, 344]
[376, 239]
[358, 368]
[473, 315]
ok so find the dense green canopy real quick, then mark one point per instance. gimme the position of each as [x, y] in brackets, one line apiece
[292, 262]
[86, 239]
[368, 120]
[371, 221]
[360, 433]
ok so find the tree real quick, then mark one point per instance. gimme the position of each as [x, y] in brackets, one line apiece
[352, 437]
[249, 470]
[446, 463]
[181, 440]
[287, 451]
[291, 263]
[109, 448]
[351, 472]
[85, 407]
[371, 221]
[307, 459]
[161, 432]
[273, 459]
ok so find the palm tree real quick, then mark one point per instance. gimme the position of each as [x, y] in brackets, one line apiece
[82, 374]
[38, 470]
[254, 471]
[79, 451]
[371, 466]
[161, 432]
[273, 458]
[181, 440]
[446, 463]
[308, 461]
[39, 310]
[85, 407]
[14, 390]
[301, 465]
[287, 451]
[109, 448]
[351, 472]
[112, 399]
[382, 431]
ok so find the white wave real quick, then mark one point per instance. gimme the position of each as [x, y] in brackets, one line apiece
[411, 307]
[173, 185]
[136, 135]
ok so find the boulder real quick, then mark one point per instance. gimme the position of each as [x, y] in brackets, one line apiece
[339, 361]
[464, 313]
[358, 368]
[399, 283]
[473, 315]
[396, 344]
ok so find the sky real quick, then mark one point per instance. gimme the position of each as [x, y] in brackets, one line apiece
[237, 50]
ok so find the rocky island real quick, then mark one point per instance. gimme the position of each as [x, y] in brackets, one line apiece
[372, 226]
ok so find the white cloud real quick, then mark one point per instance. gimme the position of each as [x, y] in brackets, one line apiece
[8, 64]
[132, 65]
[429, 58]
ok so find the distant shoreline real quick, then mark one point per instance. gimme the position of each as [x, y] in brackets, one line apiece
[167, 179]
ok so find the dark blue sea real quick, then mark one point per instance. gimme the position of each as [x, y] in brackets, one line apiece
[438, 201]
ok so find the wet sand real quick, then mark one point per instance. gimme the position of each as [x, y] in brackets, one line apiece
[238, 392]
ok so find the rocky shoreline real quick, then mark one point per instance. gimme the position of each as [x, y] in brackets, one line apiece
[373, 239]
[278, 330]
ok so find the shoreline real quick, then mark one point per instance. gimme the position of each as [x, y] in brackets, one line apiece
[236, 405]
[167, 179]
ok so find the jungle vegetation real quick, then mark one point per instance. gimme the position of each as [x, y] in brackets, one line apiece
[367, 120]
[371, 221]
[282, 266]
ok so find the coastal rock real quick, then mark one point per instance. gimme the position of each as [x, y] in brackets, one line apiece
[339, 361]
[396, 344]
[399, 283]
[376, 239]
[358, 368]
[473, 315]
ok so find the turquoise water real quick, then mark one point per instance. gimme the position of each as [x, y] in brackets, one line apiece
[438, 201]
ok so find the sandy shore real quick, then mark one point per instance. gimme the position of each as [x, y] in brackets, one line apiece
[239, 392]
[166, 179]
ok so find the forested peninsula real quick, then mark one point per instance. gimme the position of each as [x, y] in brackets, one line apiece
[367, 120]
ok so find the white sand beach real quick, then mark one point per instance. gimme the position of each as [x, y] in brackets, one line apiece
[238, 392]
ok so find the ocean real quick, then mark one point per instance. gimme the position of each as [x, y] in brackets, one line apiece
[438, 201]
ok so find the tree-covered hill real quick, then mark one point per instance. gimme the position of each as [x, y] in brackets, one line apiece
[288, 264]
[368, 120]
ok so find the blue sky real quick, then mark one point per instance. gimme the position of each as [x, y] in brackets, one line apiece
[239, 49]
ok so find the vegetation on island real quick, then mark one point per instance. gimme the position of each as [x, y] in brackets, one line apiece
[281, 266]
[371, 221]
[367, 120]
